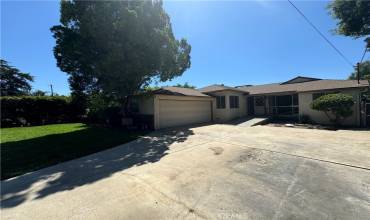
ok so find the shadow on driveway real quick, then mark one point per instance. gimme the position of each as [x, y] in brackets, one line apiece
[89, 169]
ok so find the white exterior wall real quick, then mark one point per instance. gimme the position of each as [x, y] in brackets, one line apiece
[226, 114]
[305, 99]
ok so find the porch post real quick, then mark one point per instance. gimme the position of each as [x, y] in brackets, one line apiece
[265, 99]
[291, 107]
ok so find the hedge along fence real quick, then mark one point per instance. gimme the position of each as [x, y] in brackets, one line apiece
[34, 110]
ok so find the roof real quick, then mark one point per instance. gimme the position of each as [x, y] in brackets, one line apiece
[216, 88]
[313, 85]
[179, 91]
[299, 79]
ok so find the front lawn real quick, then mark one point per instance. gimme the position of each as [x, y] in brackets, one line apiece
[26, 149]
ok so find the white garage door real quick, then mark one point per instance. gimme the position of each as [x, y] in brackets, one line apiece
[176, 113]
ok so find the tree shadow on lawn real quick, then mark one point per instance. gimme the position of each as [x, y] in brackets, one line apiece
[88, 169]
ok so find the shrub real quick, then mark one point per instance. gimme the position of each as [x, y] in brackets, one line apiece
[34, 110]
[335, 106]
[104, 110]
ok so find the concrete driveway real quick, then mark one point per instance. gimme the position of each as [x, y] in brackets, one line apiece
[207, 172]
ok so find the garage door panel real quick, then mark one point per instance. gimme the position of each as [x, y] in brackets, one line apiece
[181, 112]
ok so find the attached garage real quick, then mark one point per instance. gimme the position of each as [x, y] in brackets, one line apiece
[174, 106]
[176, 112]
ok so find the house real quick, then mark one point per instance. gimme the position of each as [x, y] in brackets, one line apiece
[174, 106]
[293, 97]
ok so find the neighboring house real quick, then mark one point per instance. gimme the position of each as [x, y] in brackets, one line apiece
[174, 106]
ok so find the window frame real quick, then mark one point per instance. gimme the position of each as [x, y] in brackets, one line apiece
[220, 102]
[292, 107]
[317, 94]
[234, 101]
[259, 101]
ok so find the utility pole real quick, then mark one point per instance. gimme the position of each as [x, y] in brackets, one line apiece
[51, 89]
[358, 73]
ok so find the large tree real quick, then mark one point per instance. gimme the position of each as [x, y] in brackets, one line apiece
[364, 71]
[353, 18]
[13, 82]
[117, 47]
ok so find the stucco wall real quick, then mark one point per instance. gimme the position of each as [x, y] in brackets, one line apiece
[226, 114]
[305, 99]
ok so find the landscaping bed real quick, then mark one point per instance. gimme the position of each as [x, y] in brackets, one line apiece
[25, 149]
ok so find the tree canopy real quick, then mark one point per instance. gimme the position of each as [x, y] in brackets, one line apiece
[117, 47]
[39, 93]
[364, 71]
[353, 18]
[185, 85]
[13, 82]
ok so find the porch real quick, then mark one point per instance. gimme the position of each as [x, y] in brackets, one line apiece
[285, 105]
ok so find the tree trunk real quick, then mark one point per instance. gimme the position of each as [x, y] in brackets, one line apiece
[330, 119]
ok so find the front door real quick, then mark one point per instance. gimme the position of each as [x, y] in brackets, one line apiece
[250, 104]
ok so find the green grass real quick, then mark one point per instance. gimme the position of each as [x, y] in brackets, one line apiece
[31, 148]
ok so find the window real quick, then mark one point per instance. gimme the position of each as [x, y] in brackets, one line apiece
[317, 95]
[260, 101]
[234, 101]
[284, 104]
[220, 102]
[284, 100]
[295, 99]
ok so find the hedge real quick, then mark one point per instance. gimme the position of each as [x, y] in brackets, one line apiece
[35, 110]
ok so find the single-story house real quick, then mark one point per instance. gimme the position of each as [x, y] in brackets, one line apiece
[174, 106]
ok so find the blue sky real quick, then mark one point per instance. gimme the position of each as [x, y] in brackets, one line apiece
[233, 42]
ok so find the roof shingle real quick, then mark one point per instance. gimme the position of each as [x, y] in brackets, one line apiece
[216, 88]
[315, 85]
[172, 90]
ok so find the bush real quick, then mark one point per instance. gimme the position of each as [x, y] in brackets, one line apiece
[34, 110]
[335, 106]
[103, 110]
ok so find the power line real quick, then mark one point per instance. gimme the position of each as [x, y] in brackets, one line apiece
[321, 34]
[363, 55]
